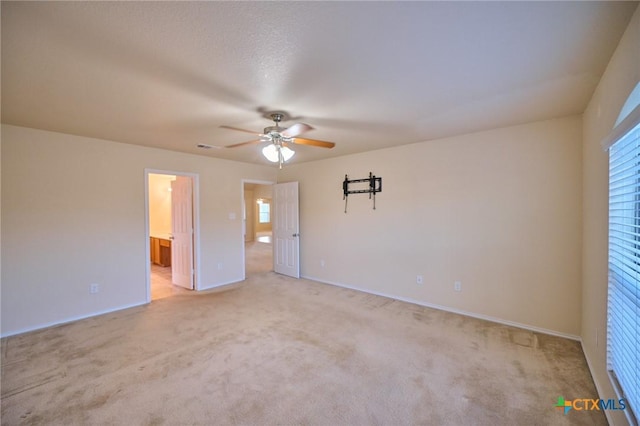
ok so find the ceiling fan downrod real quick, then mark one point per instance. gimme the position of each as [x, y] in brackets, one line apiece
[277, 118]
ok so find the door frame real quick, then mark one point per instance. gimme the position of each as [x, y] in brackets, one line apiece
[196, 226]
[242, 230]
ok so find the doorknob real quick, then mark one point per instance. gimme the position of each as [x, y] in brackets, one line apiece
[295, 235]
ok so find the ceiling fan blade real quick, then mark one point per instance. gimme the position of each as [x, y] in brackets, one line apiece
[313, 142]
[240, 130]
[244, 143]
[295, 130]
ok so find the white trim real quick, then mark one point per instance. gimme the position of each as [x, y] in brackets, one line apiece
[595, 382]
[147, 242]
[196, 225]
[621, 129]
[628, 413]
[218, 285]
[453, 310]
[632, 101]
[70, 320]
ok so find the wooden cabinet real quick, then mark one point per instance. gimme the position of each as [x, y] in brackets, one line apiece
[160, 251]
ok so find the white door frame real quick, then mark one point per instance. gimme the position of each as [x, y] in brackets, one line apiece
[242, 231]
[196, 226]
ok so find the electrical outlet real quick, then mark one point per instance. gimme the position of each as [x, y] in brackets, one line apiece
[457, 286]
[322, 263]
[94, 288]
[419, 279]
[220, 266]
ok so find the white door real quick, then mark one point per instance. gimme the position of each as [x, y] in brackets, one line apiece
[286, 247]
[182, 230]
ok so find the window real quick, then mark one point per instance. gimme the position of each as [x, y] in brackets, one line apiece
[623, 334]
[264, 211]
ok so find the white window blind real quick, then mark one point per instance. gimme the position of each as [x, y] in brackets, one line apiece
[623, 336]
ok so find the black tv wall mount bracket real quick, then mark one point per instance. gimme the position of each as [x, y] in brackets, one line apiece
[375, 186]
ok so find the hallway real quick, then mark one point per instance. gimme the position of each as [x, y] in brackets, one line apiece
[161, 285]
[258, 257]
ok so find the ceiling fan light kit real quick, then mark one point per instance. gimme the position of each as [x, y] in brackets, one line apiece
[277, 151]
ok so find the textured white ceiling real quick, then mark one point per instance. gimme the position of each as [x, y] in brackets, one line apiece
[366, 75]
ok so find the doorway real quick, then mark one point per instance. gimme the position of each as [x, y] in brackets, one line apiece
[257, 227]
[172, 232]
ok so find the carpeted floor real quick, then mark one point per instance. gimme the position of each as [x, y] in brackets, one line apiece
[258, 258]
[275, 350]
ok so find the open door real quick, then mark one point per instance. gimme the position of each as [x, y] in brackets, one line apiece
[286, 230]
[182, 231]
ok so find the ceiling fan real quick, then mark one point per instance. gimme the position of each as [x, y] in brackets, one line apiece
[278, 151]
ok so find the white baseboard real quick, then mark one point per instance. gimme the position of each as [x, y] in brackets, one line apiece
[218, 285]
[453, 310]
[595, 382]
[403, 299]
[95, 314]
[72, 319]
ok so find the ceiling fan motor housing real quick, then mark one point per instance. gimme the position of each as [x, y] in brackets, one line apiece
[273, 129]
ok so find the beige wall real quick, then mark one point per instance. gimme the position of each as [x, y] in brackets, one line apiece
[622, 74]
[160, 204]
[263, 191]
[73, 213]
[499, 211]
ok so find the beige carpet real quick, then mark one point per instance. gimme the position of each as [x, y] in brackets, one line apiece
[258, 258]
[275, 350]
